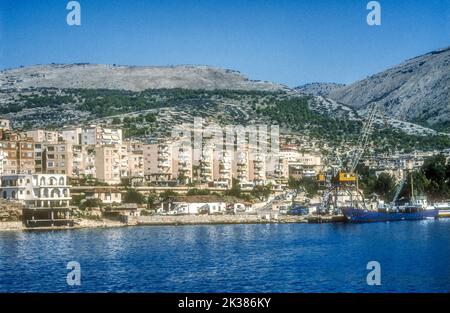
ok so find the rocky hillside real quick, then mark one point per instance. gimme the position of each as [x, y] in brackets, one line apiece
[417, 90]
[134, 78]
[318, 89]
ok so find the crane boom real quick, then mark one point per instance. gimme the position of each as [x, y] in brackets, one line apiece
[366, 131]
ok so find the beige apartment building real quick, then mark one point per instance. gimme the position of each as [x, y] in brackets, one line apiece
[18, 154]
[41, 135]
[57, 158]
[108, 163]
[158, 162]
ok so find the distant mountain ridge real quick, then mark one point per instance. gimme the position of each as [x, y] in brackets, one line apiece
[134, 78]
[417, 90]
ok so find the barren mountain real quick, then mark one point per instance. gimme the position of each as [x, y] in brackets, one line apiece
[417, 90]
[318, 89]
[135, 78]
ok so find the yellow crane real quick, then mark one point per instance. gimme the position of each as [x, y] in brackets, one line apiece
[346, 177]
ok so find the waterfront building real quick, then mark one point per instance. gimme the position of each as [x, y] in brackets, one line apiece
[36, 190]
[46, 198]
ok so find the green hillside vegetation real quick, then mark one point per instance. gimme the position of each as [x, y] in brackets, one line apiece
[289, 111]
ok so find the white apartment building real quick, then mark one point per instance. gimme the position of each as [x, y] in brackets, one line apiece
[257, 168]
[71, 135]
[206, 163]
[222, 169]
[241, 169]
[183, 162]
[37, 190]
[96, 135]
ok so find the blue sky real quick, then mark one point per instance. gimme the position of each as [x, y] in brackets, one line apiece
[291, 42]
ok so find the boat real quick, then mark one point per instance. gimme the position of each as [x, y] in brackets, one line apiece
[416, 209]
[397, 213]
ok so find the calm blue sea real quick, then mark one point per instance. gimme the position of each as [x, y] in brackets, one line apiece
[414, 257]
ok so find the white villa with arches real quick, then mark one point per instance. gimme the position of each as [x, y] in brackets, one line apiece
[37, 190]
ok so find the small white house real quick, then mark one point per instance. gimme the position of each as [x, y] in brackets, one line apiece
[194, 205]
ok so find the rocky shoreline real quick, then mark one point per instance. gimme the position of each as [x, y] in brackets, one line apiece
[169, 220]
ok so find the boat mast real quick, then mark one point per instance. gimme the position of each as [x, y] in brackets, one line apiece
[412, 187]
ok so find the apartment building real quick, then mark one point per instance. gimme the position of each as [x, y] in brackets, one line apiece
[71, 135]
[257, 168]
[41, 135]
[241, 167]
[135, 158]
[57, 158]
[158, 162]
[108, 163]
[96, 135]
[136, 164]
[206, 163]
[183, 162]
[222, 169]
[38, 157]
[83, 161]
[18, 155]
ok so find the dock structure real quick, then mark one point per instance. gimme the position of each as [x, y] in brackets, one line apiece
[36, 217]
[46, 198]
